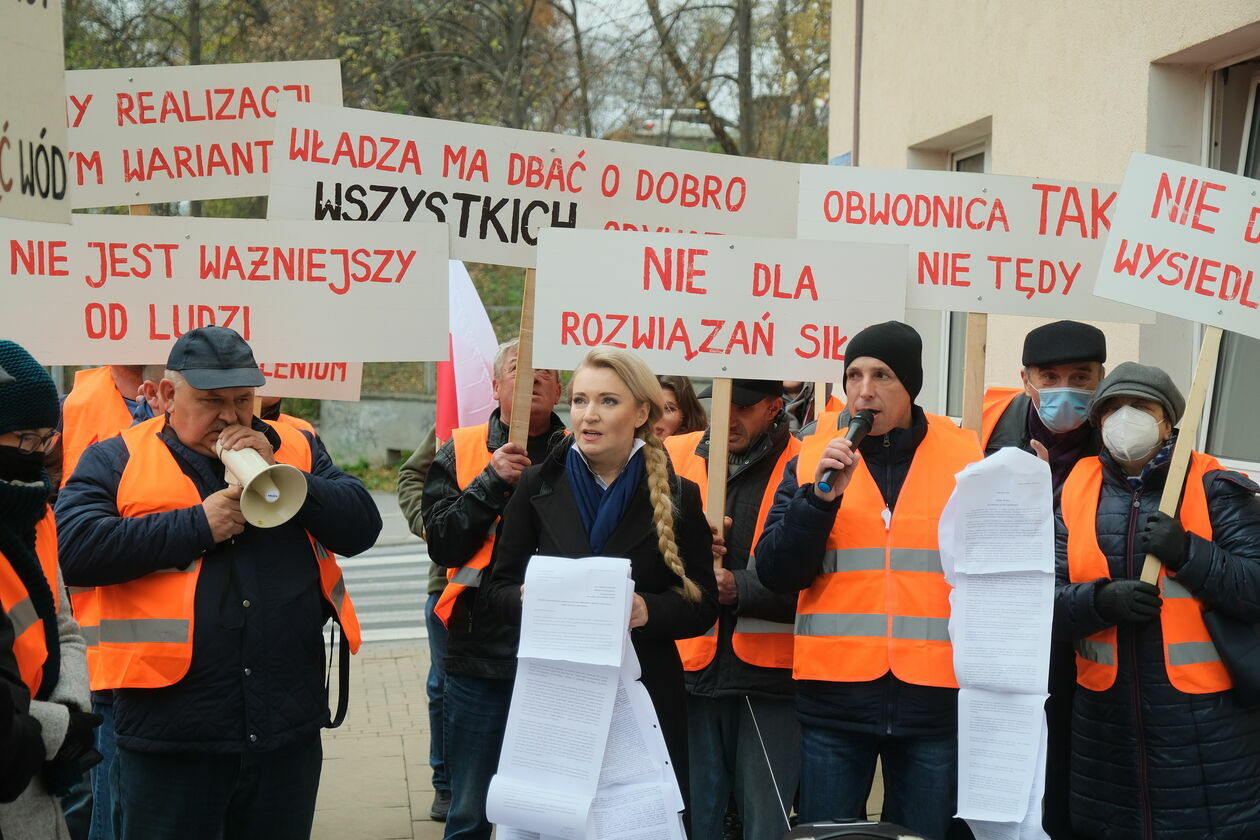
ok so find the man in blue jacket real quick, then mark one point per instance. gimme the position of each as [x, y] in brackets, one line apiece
[211, 628]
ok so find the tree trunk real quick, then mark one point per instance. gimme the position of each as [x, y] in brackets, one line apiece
[744, 80]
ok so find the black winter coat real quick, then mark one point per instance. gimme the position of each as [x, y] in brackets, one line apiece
[728, 675]
[256, 680]
[542, 518]
[790, 556]
[21, 745]
[1147, 760]
[455, 524]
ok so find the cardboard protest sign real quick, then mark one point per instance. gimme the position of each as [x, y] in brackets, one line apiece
[497, 187]
[33, 180]
[313, 380]
[145, 135]
[121, 289]
[995, 244]
[702, 306]
[1186, 242]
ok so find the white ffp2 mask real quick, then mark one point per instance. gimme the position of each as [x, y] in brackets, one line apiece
[1130, 434]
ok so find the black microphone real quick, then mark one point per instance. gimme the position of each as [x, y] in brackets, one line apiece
[859, 427]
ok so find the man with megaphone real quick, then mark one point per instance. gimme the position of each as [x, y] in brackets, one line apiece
[210, 536]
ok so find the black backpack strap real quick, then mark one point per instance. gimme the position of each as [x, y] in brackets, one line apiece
[343, 677]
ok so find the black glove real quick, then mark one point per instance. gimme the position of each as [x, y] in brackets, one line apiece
[1127, 602]
[1164, 537]
[76, 756]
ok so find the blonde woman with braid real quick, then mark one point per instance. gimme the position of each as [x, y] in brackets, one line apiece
[609, 491]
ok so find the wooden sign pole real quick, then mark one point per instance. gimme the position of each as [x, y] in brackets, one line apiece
[820, 399]
[973, 370]
[719, 447]
[1204, 372]
[523, 393]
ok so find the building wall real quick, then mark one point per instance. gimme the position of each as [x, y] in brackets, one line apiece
[1066, 89]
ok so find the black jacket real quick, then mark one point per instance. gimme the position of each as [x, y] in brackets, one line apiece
[789, 557]
[1147, 760]
[542, 518]
[256, 678]
[456, 523]
[747, 477]
[21, 745]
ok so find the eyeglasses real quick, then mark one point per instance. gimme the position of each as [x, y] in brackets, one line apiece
[29, 442]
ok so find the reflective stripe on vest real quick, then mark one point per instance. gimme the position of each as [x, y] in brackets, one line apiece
[1190, 658]
[93, 411]
[996, 401]
[881, 602]
[765, 644]
[144, 630]
[30, 640]
[472, 456]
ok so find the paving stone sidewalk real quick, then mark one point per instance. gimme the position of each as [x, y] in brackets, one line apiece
[376, 781]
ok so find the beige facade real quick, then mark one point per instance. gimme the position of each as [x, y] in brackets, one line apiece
[1065, 89]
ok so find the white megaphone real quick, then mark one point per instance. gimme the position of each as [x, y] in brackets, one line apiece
[271, 494]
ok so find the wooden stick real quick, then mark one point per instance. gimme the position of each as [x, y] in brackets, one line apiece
[523, 393]
[820, 399]
[1204, 372]
[719, 446]
[138, 209]
[258, 407]
[973, 370]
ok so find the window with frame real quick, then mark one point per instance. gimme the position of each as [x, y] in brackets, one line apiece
[973, 158]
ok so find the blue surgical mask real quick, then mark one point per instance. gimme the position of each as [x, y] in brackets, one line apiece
[1064, 409]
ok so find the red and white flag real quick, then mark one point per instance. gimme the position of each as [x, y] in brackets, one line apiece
[465, 396]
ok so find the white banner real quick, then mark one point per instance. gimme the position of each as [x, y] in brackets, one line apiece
[121, 289]
[142, 135]
[33, 164]
[313, 380]
[497, 187]
[978, 243]
[1186, 242]
[736, 306]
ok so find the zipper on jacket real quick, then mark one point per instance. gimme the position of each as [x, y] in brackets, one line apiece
[1145, 792]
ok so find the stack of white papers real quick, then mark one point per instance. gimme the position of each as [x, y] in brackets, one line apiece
[997, 549]
[583, 756]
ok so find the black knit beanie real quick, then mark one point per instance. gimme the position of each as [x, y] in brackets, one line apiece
[895, 344]
[29, 401]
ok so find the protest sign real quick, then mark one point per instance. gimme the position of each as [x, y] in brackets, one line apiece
[701, 306]
[994, 244]
[145, 135]
[497, 187]
[313, 380]
[33, 181]
[1185, 241]
[120, 290]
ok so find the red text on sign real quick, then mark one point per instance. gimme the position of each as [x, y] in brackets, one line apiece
[121, 259]
[1202, 276]
[105, 320]
[687, 190]
[38, 258]
[1070, 210]
[1187, 202]
[943, 268]
[1032, 277]
[675, 269]
[768, 280]
[190, 316]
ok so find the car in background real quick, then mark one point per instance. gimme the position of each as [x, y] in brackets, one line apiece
[679, 124]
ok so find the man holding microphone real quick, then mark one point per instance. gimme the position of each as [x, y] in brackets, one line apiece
[853, 529]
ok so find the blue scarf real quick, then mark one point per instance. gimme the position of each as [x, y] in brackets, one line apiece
[601, 510]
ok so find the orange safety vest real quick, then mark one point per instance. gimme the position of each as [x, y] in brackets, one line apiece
[296, 422]
[145, 636]
[30, 644]
[834, 404]
[766, 644]
[1190, 657]
[471, 457]
[996, 401]
[93, 411]
[881, 602]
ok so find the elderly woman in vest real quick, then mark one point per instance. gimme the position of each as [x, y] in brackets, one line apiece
[48, 645]
[1160, 746]
[608, 491]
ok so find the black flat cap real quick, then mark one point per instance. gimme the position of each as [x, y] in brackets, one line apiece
[1064, 342]
[215, 357]
[746, 392]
